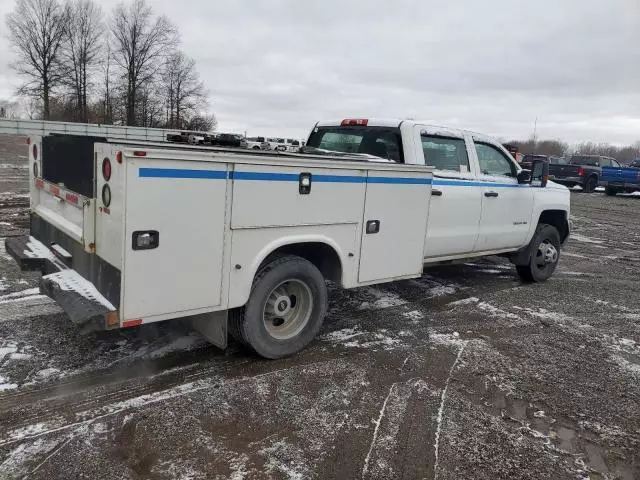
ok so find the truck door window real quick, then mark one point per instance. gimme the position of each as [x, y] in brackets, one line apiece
[444, 153]
[615, 164]
[493, 162]
[605, 162]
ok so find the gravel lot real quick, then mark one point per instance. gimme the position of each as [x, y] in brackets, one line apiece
[463, 373]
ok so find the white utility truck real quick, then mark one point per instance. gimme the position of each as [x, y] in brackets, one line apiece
[128, 230]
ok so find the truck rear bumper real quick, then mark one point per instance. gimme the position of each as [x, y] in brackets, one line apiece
[78, 297]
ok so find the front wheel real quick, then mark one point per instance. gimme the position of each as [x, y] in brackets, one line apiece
[545, 253]
[286, 308]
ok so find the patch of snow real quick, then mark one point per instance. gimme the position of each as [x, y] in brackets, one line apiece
[352, 338]
[47, 372]
[448, 339]
[20, 356]
[6, 385]
[5, 224]
[286, 459]
[441, 291]
[465, 301]
[413, 315]
[15, 464]
[496, 312]
[28, 431]
[581, 238]
[3, 284]
[490, 270]
[574, 255]
[30, 293]
[381, 300]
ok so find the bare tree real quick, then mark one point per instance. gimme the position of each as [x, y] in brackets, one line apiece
[82, 50]
[185, 93]
[202, 123]
[141, 43]
[36, 30]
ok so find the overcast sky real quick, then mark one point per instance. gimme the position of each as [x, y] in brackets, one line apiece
[275, 67]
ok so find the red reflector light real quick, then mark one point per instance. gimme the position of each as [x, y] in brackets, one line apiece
[119, 157]
[28, 141]
[354, 122]
[39, 183]
[139, 153]
[71, 198]
[35, 152]
[581, 172]
[106, 169]
[131, 323]
[54, 190]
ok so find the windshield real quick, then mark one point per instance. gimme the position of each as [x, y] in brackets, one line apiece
[585, 160]
[381, 142]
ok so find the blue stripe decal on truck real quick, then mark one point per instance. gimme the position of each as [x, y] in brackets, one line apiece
[473, 183]
[273, 177]
[181, 173]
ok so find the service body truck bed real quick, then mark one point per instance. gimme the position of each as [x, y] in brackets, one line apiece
[129, 233]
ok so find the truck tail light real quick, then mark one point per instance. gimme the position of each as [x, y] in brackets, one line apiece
[354, 122]
[119, 157]
[581, 172]
[36, 171]
[106, 169]
[35, 151]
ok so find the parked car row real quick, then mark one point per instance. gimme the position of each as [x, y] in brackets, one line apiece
[590, 171]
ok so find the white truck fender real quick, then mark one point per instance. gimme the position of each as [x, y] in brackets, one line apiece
[242, 280]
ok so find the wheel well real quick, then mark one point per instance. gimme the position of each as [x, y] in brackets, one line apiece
[557, 218]
[323, 256]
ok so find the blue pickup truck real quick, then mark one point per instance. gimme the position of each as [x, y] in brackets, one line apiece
[621, 179]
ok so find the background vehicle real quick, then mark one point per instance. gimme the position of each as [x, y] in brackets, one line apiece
[527, 160]
[116, 228]
[621, 179]
[229, 140]
[255, 143]
[582, 170]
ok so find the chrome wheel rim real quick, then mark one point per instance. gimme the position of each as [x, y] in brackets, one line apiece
[547, 254]
[287, 309]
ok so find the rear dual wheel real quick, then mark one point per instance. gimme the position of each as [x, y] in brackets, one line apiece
[286, 308]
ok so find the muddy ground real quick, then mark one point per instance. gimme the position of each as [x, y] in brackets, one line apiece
[463, 373]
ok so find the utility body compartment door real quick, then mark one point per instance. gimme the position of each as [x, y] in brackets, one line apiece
[184, 202]
[394, 225]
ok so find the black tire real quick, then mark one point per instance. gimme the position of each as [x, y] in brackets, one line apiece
[533, 270]
[590, 184]
[247, 324]
[610, 191]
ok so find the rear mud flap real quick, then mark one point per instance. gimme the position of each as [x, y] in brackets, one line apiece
[212, 326]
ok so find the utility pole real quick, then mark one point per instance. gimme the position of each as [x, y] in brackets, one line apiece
[535, 135]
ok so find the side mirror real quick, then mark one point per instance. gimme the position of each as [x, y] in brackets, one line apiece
[524, 177]
[540, 172]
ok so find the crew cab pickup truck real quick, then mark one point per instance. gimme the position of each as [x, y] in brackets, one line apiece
[527, 160]
[583, 170]
[620, 179]
[128, 232]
